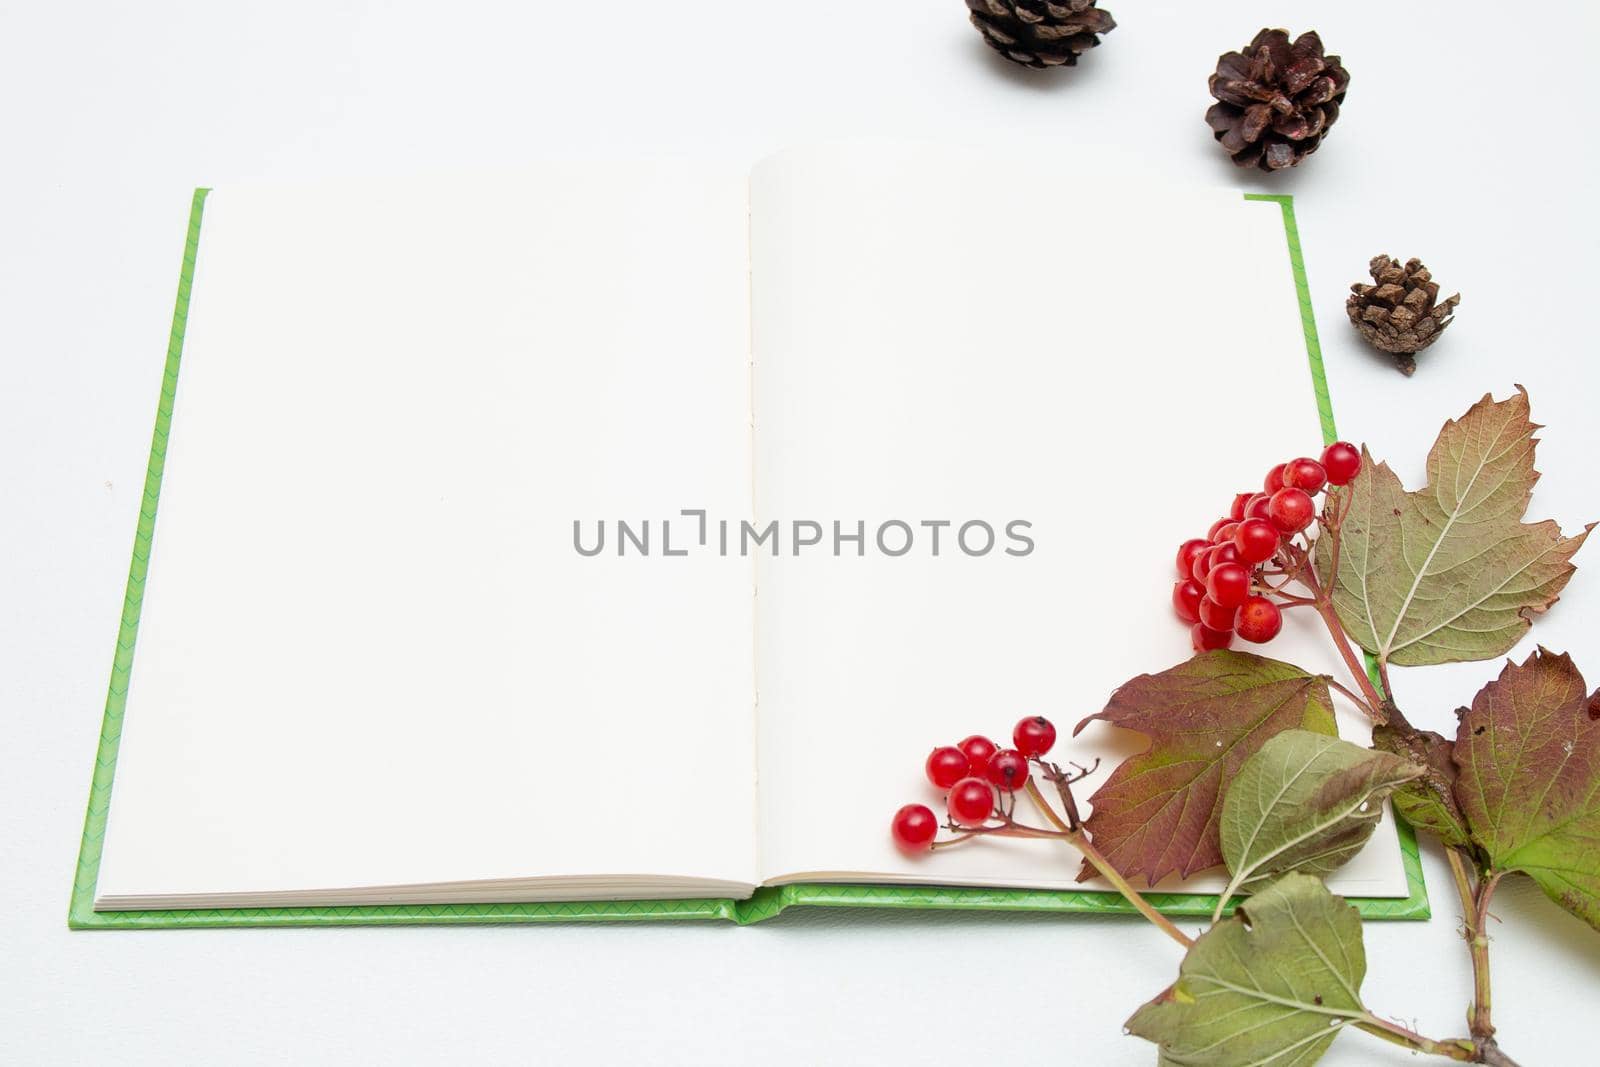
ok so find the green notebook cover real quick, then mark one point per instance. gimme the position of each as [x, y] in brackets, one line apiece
[766, 902]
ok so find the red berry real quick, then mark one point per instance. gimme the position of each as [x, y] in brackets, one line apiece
[914, 827]
[1188, 552]
[1256, 540]
[1259, 620]
[1218, 555]
[1206, 639]
[1225, 533]
[1237, 511]
[1274, 480]
[1292, 510]
[1342, 461]
[1034, 736]
[1216, 617]
[946, 766]
[1227, 584]
[1216, 528]
[1186, 600]
[1305, 474]
[971, 802]
[1257, 508]
[1007, 770]
[978, 749]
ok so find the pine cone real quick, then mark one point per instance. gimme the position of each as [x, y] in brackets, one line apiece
[1401, 313]
[1041, 33]
[1276, 100]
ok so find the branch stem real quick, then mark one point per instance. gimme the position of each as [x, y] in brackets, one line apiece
[1463, 881]
[1354, 698]
[1475, 892]
[1373, 704]
[1080, 841]
[1451, 1048]
[1478, 940]
[1460, 1049]
[1489, 1052]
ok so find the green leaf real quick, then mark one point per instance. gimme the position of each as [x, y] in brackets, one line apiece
[1306, 802]
[1429, 802]
[1529, 754]
[1158, 812]
[1273, 985]
[1450, 572]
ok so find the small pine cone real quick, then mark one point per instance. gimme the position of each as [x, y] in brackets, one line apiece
[1041, 33]
[1276, 100]
[1401, 313]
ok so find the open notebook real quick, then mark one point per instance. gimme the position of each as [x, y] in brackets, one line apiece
[612, 540]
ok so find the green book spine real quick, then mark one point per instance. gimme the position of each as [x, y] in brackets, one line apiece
[766, 902]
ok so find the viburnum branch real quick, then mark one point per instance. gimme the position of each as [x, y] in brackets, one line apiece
[1279, 590]
[964, 839]
[1383, 680]
[1337, 508]
[1487, 1051]
[1463, 883]
[1273, 550]
[1373, 704]
[1294, 564]
[1333, 527]
[1063, 783]
[1080, 841]
[1008, 827]
[978, 807]
[1354, 698]
[1475, 897]
[1452, 1048]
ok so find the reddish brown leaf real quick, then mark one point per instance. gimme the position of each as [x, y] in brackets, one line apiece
[1158, 812]
[1529, 755]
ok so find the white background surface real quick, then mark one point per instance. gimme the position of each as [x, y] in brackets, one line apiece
[112, 113]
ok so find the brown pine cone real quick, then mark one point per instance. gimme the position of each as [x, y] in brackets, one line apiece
[1041, 33]
[1401, 314]
[1276, 100]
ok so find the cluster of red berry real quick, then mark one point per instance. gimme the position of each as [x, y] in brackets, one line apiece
[971, 772]
[1219, 592]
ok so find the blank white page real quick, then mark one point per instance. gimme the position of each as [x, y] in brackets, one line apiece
[369, 653]
[981, 338]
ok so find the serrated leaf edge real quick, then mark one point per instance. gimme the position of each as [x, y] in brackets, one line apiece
[1244, 877]
[1338, 1018]
[1462, 496]
[1305, 682]
[1384, 647]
